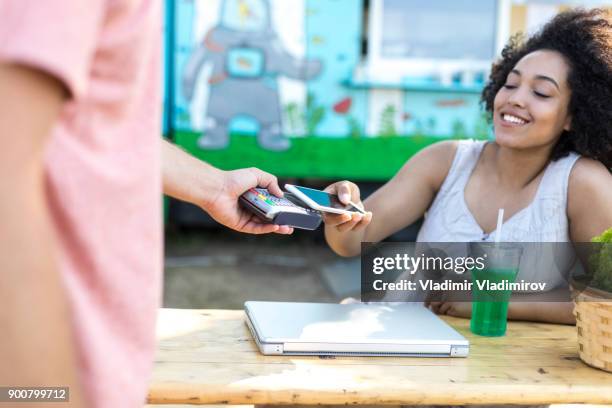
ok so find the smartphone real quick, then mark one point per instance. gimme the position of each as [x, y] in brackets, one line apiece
[322, 201]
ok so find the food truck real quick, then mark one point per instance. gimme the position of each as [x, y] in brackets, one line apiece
[333, 89]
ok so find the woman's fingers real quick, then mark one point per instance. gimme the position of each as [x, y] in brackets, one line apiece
[445, 307]
[435, 306]
[365, 220]
[349, 225]
[335, 219]
[345, 190]
[347, 222]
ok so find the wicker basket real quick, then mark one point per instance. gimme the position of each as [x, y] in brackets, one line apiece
[593, 311]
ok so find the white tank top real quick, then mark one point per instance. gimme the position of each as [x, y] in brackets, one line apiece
[543, 220]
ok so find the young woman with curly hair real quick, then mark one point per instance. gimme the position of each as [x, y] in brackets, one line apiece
[550, 101]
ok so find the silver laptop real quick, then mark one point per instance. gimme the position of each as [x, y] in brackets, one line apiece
[360, 329]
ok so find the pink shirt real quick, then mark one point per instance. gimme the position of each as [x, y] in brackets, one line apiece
[103, 176]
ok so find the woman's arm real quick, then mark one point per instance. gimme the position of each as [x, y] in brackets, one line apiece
[531, 307]
[589, 211]
[545, 312]
[400, 202]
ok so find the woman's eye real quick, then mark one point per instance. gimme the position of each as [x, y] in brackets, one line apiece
[541, 95]
[509, 86]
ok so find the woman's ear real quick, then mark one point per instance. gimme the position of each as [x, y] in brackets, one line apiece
[567, 126]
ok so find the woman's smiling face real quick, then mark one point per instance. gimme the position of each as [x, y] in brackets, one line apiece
[531, 109]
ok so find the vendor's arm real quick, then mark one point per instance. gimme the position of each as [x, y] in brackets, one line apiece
[400, 202]
[37, 347]
[216, 191]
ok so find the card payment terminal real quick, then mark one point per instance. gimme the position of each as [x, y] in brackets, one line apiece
[281, 211]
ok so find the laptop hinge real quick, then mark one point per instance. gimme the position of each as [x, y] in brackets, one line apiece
[272, 348]
[460, 351]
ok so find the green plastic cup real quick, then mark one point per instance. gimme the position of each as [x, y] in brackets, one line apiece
[489, 302]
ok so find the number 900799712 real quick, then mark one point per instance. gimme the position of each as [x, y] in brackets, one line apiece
[34, 394]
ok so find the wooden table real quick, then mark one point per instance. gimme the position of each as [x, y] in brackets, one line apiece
[209, 357]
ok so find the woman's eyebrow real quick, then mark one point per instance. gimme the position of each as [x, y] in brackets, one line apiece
[540, 77]
[549, 79]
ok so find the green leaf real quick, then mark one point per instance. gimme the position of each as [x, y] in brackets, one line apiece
[601, 262]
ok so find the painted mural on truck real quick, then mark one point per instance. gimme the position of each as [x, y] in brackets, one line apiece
[246, 57]
[335, 88]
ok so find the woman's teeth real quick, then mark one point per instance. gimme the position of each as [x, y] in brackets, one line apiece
[513, 119]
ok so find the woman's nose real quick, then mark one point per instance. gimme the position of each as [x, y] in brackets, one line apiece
[517, 98]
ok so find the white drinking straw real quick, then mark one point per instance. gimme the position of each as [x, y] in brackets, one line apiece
[498, 230]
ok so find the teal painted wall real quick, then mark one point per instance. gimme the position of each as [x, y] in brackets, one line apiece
[333, 31]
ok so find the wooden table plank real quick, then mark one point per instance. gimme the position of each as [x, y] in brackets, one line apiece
[208, 357]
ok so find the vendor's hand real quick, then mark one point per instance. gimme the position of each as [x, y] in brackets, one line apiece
[451, 308]
[224, 207]
[346, 192]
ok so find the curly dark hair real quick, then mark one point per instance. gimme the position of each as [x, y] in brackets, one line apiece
[584, 38]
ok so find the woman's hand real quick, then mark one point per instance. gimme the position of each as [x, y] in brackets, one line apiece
[347, 192]
[451, 308]
[452, 303]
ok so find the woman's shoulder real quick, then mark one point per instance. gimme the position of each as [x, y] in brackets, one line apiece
[442, 150]
[444, 153]
[439, 159]
[589, 175]
[589, 196]
[436, 160]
